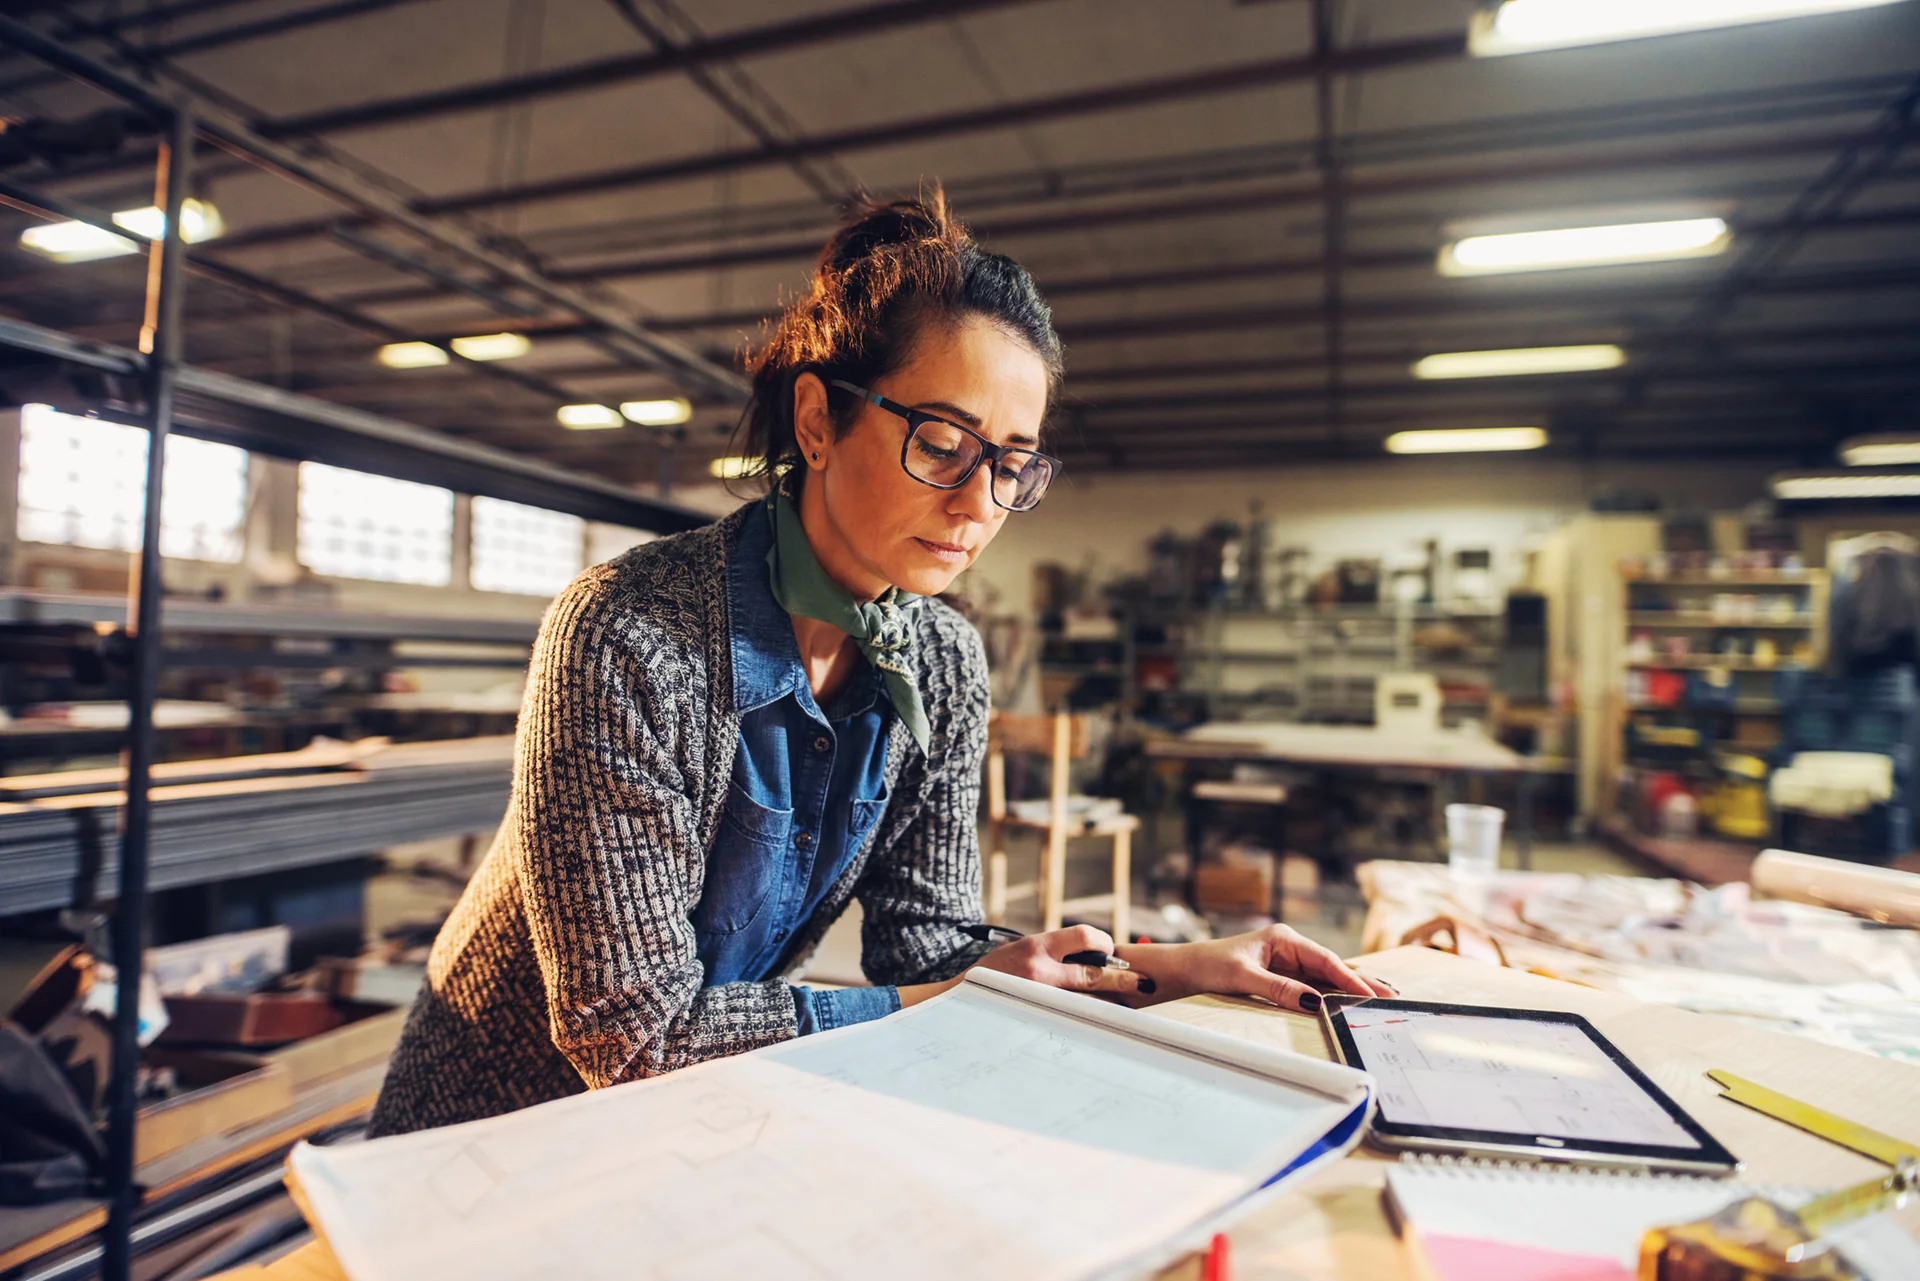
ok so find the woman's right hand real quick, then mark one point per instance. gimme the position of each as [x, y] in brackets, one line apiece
[1041, 957]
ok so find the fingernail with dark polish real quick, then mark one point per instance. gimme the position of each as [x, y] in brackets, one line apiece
[1147, 987]
[1310, 1003]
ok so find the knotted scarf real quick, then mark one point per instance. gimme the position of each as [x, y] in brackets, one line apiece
[883, 629]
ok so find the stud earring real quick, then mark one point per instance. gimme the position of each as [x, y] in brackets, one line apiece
[816, 458]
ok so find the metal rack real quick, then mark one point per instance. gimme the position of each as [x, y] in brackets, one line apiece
[152, 388]
[44, 635]
[207, 832]
[1315, 663]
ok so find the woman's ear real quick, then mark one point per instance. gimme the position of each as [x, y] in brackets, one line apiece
[812, 423]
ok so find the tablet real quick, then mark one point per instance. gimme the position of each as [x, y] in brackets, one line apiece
[1514, 1084]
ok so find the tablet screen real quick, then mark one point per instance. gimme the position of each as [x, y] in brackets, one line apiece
[1512, 1075]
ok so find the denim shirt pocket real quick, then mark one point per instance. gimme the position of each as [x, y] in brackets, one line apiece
[863, 818]
[744, 868]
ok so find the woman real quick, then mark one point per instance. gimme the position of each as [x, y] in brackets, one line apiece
[732, 733]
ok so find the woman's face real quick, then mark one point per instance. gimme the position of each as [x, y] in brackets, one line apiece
[872, 525]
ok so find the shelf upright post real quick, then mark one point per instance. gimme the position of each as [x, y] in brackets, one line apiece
[160, 341]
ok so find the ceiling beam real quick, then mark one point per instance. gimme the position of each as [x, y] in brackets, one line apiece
[1259, 200]
[753, 318]
[1906, 364]
[779, 37]
[352, 363]
[259, 289]
[1783, 451]
[1556, 130]
[1208, 82]
[1710, 385]
[1902, 275]
[199, 42]
[614, 331]
[1852, 334]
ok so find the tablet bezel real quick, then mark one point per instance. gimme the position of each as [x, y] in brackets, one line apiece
[1710, 1157]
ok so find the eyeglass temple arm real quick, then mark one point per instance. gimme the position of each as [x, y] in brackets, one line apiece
[871, 397]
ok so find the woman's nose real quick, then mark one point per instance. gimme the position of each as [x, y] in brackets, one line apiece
[974, 500]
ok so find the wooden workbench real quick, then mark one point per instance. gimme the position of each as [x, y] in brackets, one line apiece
[1354, 746]
[1440, 756]
[1332, 1228]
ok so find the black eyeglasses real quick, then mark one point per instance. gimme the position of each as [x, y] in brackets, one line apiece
[945, 455]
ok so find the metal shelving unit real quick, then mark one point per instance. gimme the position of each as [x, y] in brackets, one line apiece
[153, 389]
[45, 637]
[1775, 621]
[1312, 662]
[1331, 656]
[24, 608]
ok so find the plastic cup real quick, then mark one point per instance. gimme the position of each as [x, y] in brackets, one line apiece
[1473, 839]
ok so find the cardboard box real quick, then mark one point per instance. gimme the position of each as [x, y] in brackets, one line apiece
[258, 1018]
[1243, 889]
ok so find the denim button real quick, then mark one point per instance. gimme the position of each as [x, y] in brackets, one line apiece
[804, 840]
[822, 743]
[779, 936]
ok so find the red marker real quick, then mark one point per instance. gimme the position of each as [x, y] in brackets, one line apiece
[1219, 1261]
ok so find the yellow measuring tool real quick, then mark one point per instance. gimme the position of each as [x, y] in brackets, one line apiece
[1804, 1116]
[1755, 1239]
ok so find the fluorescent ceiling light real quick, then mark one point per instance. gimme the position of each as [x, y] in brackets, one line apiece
[1856, 485]
[1881, 451]
[75, 242]
[1523, 26]
[412, 355]
[589, 417]
[491, 346]
[198, 221]
[1466, 440]
[732, 467]
[1585, 247]
[1520, 360]
[658, 413]
[84, 242]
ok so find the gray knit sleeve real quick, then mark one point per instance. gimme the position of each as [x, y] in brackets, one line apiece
[610, 762]
[918, 889]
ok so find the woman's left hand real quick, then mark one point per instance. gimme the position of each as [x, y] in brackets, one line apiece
[1275, 964]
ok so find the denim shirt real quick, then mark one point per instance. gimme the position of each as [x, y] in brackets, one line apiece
[808, 788]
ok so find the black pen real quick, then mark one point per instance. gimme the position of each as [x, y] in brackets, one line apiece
[1098, 960]
[991, 933]
[1000, 933]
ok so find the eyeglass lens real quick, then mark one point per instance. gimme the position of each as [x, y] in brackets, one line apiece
[944, 455]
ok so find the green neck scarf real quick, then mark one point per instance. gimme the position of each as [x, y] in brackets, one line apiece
[883, 629]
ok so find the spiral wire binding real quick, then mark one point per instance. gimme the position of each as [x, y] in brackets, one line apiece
[1499, 1169]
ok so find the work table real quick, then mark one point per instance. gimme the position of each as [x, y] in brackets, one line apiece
[1332, 1226]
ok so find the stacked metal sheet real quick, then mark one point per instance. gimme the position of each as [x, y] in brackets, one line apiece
[217, 830]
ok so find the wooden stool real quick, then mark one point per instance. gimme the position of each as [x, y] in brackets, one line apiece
[1062, 739]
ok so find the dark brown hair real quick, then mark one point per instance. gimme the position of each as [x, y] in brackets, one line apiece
[892, 271]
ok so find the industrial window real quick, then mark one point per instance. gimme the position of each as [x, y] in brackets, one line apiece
[604, 542]
[524, 549]
[357, 525]
[83, 483]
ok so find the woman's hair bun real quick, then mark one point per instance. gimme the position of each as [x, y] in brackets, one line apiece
[898, 224]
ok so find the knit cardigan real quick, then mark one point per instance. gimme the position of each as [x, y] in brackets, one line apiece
[569, 962]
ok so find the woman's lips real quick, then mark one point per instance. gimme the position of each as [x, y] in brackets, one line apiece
[945, 551]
